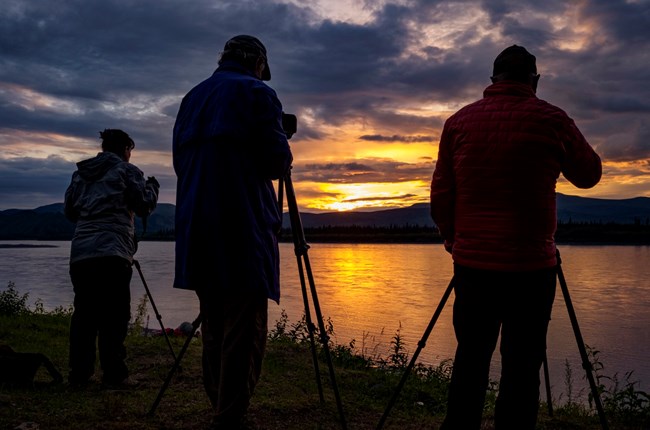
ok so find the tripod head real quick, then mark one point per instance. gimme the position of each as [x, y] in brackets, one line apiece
[289, 124]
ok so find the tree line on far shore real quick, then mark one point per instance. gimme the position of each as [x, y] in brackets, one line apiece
[637, 233]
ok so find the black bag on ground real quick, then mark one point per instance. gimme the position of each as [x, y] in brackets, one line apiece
[19, 368]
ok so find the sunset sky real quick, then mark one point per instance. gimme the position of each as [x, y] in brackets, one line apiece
[371, 82]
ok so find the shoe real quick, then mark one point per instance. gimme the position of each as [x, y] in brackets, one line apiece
[123, 385]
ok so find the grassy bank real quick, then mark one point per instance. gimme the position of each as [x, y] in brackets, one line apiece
[286, 398]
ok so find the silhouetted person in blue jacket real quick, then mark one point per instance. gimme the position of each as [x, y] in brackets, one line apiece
[228, 146]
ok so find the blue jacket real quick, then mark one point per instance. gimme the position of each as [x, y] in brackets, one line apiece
[228, 146]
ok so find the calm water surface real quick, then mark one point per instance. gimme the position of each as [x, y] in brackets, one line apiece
[370, 291]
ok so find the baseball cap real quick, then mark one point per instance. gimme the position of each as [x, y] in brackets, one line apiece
[245, 44]
[515, 60]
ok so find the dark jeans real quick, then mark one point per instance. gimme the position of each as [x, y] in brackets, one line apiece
[102, 310]
[518, 305]
[234, 330]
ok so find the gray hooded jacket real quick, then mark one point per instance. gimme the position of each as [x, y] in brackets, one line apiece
[103, 198]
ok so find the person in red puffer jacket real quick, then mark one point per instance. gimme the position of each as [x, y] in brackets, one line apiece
[493, 201]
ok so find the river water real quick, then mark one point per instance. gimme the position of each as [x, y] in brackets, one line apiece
[370, 291]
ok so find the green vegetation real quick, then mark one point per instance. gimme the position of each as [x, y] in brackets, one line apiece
[287, 396]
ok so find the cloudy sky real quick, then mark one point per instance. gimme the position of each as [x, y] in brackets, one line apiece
[370, 81]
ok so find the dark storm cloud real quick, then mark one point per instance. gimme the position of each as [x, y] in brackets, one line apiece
[396, 138]
[380, 199]
[16, 117]
[625, 21]
[42, 181]
[365, 170]
[72, 68]
[633, 144]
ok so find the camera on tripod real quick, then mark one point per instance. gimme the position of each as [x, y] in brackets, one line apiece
[289, 124]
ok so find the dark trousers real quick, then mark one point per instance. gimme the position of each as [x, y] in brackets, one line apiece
[234, 330]
[518, 305]
[102, 310]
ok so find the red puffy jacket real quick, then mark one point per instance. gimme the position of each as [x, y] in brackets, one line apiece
[493, 187]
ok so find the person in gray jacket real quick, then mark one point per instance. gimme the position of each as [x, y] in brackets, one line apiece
[103, 198]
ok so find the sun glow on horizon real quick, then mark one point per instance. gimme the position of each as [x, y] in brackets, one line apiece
[368, 196]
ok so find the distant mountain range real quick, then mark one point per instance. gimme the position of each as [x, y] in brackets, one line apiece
[569, 209]
[49, 223]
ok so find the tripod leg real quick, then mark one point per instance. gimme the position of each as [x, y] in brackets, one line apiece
[195, 325]
[421, 345]
[300, 248]
[310, 328]
[549, 401]
[586, 364]
[136, 263]
[324, 341]
[301, 252]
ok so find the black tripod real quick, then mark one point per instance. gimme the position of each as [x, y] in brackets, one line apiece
[421, 344]
[177, 360]
[300, 248]
[136, 263]
[195, 325]
[586, 364]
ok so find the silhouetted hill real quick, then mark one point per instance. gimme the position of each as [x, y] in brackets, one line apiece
[44, 223]
[569, 209]
[583, 209]
[416, 215]
[48, 222]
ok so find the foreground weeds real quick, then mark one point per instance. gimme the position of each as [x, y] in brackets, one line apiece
[287, 396]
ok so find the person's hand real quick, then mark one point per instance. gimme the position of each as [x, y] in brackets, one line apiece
[153, 181]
